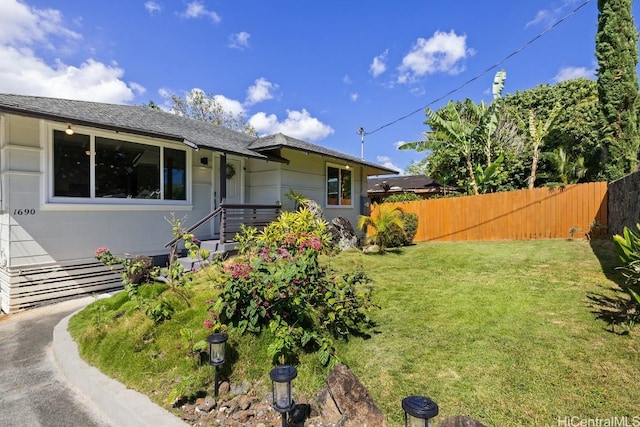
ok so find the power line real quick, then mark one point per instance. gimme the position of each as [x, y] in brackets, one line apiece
[496, 65]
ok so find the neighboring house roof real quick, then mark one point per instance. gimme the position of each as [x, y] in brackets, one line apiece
[418, 184]
[280, 140]
[142, 120]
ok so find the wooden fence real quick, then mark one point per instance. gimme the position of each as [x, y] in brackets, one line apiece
[541, 213]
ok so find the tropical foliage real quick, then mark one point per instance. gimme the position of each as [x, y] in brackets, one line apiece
[525, 129]
[628, 247]
[278, 285]
[381, 222]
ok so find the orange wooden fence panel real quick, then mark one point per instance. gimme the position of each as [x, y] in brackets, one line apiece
[541, 213]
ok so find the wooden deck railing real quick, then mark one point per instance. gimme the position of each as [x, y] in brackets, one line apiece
[233, 216]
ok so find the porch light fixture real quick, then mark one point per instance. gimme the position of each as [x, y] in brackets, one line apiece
[216, 353]
[281, 377]
[418, 410]
[204, 161]
[69, 131]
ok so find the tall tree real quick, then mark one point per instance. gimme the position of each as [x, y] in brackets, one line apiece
[199, 106]
[617, 54]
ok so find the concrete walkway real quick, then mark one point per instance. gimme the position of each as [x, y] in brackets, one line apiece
[44, 382]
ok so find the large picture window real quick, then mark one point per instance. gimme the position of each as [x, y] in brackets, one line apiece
[338, 186]
[121, 169]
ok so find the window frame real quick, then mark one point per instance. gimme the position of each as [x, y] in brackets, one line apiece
[52, 201]
[340, 168]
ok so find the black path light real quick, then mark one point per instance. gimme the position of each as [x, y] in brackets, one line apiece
[418, 410]
[216, 353]
[281, 377]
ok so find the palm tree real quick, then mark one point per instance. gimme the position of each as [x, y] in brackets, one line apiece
[568, 170]
[387, 216]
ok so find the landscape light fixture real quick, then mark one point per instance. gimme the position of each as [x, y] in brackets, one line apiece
[69, 131]
[418, 410]
[216, 353]
[281, 377]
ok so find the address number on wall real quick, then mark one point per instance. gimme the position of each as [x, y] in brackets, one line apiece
[24, 211]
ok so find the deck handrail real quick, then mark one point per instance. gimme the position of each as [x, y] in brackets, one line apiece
[226, 224]
[195, 226]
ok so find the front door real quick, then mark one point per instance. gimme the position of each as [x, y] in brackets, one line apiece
[234, 187]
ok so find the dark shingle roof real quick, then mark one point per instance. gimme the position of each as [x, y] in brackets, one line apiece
[280, 140]
[133, 119]
[401, 183]
[141, 120]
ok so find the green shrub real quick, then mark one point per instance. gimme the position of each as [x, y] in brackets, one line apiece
[277, 284]
[402, 197]
[628, 247]
[398, 237]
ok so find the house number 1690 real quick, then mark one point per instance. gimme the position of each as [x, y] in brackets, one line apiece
[24, 211]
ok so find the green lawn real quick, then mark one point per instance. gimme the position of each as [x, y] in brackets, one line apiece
[504, 332]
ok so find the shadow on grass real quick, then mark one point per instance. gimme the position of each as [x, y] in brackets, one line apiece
[612, 304]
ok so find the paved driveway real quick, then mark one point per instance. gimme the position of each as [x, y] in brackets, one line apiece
[32, 391]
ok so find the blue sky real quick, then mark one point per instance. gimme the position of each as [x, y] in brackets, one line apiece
[314, 70]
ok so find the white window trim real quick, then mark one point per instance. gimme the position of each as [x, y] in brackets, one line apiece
[326, 185]
[49, 202]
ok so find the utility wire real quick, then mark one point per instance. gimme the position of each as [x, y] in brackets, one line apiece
[496, 65]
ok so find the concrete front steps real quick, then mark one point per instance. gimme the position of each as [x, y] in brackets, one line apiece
[214, 246]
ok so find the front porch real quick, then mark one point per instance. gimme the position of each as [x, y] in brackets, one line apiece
[232, 217]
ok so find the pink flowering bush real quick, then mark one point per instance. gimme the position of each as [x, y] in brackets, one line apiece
[278, 285]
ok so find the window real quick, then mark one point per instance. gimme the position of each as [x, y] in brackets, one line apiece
[338, 186]
[121, 169]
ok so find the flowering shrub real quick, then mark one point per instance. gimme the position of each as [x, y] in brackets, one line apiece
[140, 270]
[278, 284]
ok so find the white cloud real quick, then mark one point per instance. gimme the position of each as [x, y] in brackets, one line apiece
[347, 80]
[260, 91]
[152, 7]
[230, 105]
[196, 9]
[442, 53]
[354, 96]
[21, 25]
[298, 124]
[239, 40]
[388, 163]
[548, 17]
[568, 73]
[24, 31]
[378, 66]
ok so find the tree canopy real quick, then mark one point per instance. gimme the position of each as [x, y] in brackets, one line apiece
[617, 54]
[198, 105]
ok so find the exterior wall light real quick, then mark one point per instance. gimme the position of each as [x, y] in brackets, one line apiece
[216, 353]
[281, 377]
[69, 131]
[418, 410]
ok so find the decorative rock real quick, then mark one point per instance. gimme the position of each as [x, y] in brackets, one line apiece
[344, 236]
[223, 388]
[353, 400]
[240, 388]
[371, 249]
[206, 404]
[460, 421]
[314, 208]
[327, 407]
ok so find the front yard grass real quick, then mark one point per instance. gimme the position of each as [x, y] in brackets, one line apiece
[504, 332]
